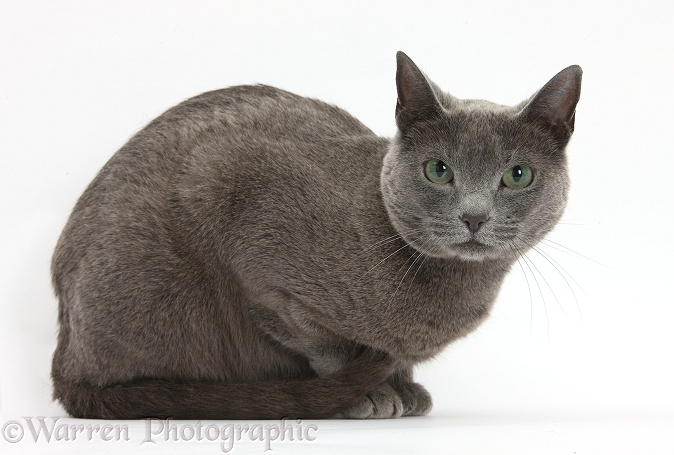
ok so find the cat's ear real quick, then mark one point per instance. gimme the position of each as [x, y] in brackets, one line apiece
[554, 106]
[416, 99]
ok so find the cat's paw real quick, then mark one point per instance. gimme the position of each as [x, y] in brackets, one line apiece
[415, 398]
[382, 403]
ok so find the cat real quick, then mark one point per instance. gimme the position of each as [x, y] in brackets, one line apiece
[254, 254]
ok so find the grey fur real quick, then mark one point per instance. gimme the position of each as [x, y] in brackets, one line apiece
[249, 238]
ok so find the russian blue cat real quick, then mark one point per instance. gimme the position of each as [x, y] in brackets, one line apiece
[256, 254]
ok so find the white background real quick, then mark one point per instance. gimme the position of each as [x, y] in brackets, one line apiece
[583, 365]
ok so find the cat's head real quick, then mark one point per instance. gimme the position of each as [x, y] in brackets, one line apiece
[473, 179]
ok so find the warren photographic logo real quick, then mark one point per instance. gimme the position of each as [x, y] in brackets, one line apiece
[155, 431]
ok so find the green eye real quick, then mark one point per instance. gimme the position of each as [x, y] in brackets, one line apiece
[518, 177]
[438, 172]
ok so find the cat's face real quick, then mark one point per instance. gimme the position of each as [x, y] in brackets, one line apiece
[472, 179]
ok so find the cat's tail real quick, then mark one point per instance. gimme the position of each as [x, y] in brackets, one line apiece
[318, 398]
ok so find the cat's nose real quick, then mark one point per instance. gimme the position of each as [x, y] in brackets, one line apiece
[474, 222]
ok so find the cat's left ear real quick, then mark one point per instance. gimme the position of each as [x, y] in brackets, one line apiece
[554, 106]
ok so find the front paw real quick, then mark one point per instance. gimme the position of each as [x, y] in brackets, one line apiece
[415, 398]
[382, 403]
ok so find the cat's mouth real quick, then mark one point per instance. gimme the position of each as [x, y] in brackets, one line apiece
[473, 242]
[473, 249]
[473, 245]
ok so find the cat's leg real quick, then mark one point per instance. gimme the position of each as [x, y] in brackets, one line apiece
[328, 353]
[398, 396]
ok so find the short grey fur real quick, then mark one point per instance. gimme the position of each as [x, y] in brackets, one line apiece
[256, 254]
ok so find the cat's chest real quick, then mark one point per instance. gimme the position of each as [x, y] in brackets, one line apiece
[417, 312]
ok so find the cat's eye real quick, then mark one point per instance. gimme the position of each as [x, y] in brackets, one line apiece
[518, 177]
[438, 172]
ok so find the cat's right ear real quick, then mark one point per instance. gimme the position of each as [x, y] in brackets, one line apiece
[416, 98]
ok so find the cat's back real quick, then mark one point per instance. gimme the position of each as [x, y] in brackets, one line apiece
[233, 121]
[270, 113]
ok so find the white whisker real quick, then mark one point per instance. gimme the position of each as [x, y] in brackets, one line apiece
[557, 267]
[380, 262]
[564, 249]
[545, 306]
[531, 298]
[406, 272]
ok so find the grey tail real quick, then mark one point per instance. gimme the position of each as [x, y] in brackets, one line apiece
[317, 398]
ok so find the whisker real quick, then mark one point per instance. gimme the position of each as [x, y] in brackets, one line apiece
[567, 250]
[545, 306]
[419, 267]
[406, 272]
[380, 262]
[548, 255]
[531, 298]
[557, 267]
[574, 221]
[390, 239]
[380, 243]
[533, 263]
[385, 241]
[555, 264]
[560, 270]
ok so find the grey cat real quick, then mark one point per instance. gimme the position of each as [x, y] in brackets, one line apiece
[255, 254]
